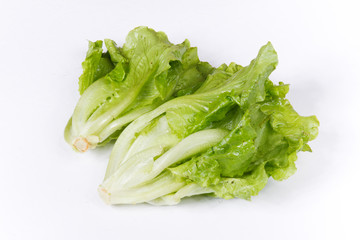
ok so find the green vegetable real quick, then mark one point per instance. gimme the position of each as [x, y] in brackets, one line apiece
[226, 139]
[121, 84]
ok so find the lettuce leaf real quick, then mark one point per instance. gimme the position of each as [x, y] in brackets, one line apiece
[96, 65]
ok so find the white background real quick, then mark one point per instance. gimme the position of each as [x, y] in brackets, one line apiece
[47, 191]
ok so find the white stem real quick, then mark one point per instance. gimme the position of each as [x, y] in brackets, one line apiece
[159, 134]
[127, 137]
[189, 190]
[144, 159]
[97, 122]
[121, 148]
[189, 146]
[163, 185]
[122, 121]
[92, 98]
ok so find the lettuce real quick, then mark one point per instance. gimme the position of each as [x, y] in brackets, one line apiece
[121, 84]
[225, 139]
[182, 127]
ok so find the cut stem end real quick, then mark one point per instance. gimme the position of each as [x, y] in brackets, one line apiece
[104, 194]
[81, 144]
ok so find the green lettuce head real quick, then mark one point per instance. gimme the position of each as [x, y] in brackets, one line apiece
[226, 139]
[125, 82]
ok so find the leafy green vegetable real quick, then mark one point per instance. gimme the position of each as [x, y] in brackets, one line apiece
[182, 127]
[123, 83]
[226, 139]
